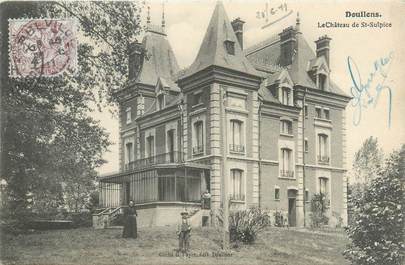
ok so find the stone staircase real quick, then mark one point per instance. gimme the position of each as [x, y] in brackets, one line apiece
[200, 218]
[105, 217]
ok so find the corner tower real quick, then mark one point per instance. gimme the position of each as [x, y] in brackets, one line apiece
[221, 114]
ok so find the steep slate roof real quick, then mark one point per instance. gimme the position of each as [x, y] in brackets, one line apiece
[159, 62]
[266, 55]
[212, 50]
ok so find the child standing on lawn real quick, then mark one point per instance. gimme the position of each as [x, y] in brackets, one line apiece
[184, 233]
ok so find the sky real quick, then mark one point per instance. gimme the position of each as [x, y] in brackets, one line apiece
[376, 55]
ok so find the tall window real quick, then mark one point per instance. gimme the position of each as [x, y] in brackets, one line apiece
[285, 96]
[326, 114]
[236, 185]
[150, 146]
[129, 152]
[323, 185]
[170, 145]
[285, 127]
[318, 112]
[323, 152]
[277, 193]
[199, 138]
[236, 144]
[286, 163]
[128, 115]
[198, 98]
[161, 101]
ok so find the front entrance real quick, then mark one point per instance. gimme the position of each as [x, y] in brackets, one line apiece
[292, 213]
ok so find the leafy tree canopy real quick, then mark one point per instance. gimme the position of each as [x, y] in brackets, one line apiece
[377, 232]
[49, 137]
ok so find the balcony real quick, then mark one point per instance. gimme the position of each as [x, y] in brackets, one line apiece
[197, 150]
[161, 159]
[286, 173]
[237, 148]
[323, 159]
[237, 197]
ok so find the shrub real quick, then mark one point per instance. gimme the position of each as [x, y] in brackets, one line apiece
[82, 219]
[278, 219]
[245, 225]
[318, 210]
[377, 231]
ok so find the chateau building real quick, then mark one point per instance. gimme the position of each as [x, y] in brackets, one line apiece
[262, 126]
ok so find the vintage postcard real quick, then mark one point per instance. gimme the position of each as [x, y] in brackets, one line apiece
[202, 132]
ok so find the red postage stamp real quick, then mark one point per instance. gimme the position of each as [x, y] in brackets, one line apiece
[42, 47]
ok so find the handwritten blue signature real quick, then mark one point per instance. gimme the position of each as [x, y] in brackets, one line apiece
[366, 94]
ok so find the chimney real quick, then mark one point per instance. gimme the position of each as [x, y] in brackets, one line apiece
[135, 59]
[322, 47]
[288, 45]
[237, 25]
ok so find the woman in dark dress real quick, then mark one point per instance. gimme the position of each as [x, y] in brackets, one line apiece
[130, 229]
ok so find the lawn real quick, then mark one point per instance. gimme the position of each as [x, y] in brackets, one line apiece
[156, 246]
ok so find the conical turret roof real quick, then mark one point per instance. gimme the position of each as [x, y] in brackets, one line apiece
[213, 51]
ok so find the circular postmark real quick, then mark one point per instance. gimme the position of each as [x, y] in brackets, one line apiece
[43, 47]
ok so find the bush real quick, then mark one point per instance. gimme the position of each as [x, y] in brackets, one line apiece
[278, 219]
[318, 210]
[245, 225]
[377, 231]
[83, 219]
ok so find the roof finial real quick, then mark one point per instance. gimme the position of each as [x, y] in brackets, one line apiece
[297, 24]
[163, 16]
[148, 17]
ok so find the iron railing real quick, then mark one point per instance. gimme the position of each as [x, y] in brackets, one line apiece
[323, 159]
[287, 173]
[199, 149]
[237, 197]
[237, 148]
[165, 158]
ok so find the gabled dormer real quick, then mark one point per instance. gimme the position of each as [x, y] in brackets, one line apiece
[318, 70]
[165, 91]
[281, 87]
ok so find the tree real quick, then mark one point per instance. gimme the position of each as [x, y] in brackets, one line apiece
[377, 233]
[367, 160]
[49, 137]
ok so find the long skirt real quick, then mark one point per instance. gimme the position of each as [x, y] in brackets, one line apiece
[130, 229]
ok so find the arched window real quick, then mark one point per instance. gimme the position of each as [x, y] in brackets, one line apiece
[323, 148]
[236, 139]
[286, 165]
[236, 185]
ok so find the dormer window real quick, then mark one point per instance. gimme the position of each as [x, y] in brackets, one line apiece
[161, 101]
[322, 82]
[230, 47]
[285, 95]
